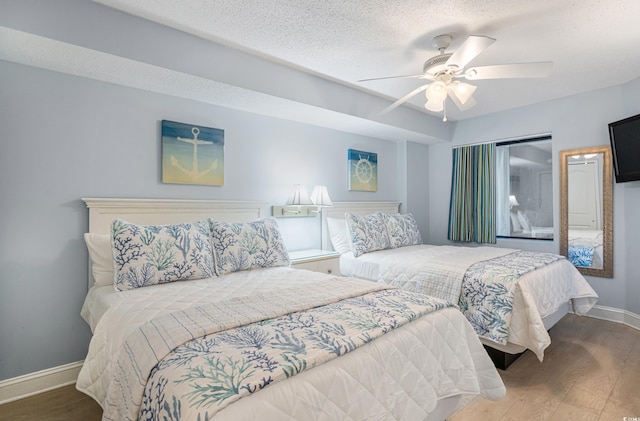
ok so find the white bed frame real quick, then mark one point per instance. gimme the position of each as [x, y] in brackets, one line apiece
[102, 212]
[357, 208]
[365, 208]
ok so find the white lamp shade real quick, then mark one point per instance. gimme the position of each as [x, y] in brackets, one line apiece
[437, 92]
[298, 196]
[435, 106]
[320, 196]
[462, 91]
[513, 201]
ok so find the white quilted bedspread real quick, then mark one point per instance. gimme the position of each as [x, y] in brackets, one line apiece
[402, 375]
[537, 295]
[406, 268]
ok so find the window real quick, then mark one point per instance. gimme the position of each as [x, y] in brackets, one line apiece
[524, 189]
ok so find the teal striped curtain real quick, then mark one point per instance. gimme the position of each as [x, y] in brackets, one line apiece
[472, 209]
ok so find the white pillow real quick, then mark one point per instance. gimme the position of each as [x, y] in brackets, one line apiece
[402, 229]
[99, 246]
[367, 233]
[155, 254]
[339, 235]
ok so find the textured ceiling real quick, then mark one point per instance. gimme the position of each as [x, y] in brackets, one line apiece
[592, 43]
[301, 59]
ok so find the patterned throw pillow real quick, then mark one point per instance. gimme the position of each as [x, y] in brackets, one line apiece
[367, 233]
[402, 229]
[243, 246]
[146, 255]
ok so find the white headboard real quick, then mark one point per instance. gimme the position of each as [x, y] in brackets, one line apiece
[357, 208]
[102, 212]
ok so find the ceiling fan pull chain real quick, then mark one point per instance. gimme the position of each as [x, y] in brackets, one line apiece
[444, 111]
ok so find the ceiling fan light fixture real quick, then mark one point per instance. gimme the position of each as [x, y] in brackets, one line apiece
[436, 92]
[463, 91]
[434, 105]
[445, 67]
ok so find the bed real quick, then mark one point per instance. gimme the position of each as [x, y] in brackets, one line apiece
[278, 343]
[585, 248]
[530, 224]
[517, 316]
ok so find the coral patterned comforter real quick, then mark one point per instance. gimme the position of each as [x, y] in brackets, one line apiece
[485, 282]
[199, 362]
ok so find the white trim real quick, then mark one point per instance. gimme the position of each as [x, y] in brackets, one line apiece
[38, 382]
[615, 315]
[102, 211]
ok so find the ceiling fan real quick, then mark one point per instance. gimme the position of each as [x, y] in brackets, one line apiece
[443, 70]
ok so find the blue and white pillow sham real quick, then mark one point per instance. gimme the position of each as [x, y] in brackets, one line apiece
[402, 229]
[380, 231]
[146, 255]
[367, 233]
[243, 246]
[581, 255]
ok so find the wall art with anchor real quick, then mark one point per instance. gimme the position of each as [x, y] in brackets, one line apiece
[192, 154]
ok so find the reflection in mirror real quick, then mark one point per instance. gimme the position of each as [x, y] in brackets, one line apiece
[586, 209]
[524, 196]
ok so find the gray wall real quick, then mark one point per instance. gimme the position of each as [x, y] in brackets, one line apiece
[626, 221]
[417, 184]
[67, 137]
[574, 122]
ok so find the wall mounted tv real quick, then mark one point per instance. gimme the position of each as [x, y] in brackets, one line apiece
[625, 145]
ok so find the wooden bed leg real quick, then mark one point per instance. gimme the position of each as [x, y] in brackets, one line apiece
[501, 359]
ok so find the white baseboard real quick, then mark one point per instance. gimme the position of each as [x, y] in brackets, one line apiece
[38, 382]
[53, 378]
[615, 315]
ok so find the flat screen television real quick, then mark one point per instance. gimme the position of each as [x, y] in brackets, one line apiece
[625, 145]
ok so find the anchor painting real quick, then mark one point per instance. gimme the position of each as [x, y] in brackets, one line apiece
[192, 154]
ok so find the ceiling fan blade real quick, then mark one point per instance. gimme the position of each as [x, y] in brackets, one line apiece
[505, 71]
[405, 98]
[469, 103]
[393, 77]
[469, 50]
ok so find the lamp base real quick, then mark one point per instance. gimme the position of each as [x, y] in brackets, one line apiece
[294, 211]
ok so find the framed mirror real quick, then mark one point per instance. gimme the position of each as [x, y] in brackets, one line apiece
[586, 209]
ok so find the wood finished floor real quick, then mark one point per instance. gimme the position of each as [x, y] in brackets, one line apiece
[591, 371]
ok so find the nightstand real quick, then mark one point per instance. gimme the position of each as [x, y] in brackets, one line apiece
[316, 260]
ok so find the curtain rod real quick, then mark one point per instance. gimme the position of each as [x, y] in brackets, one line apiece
[509, 140]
